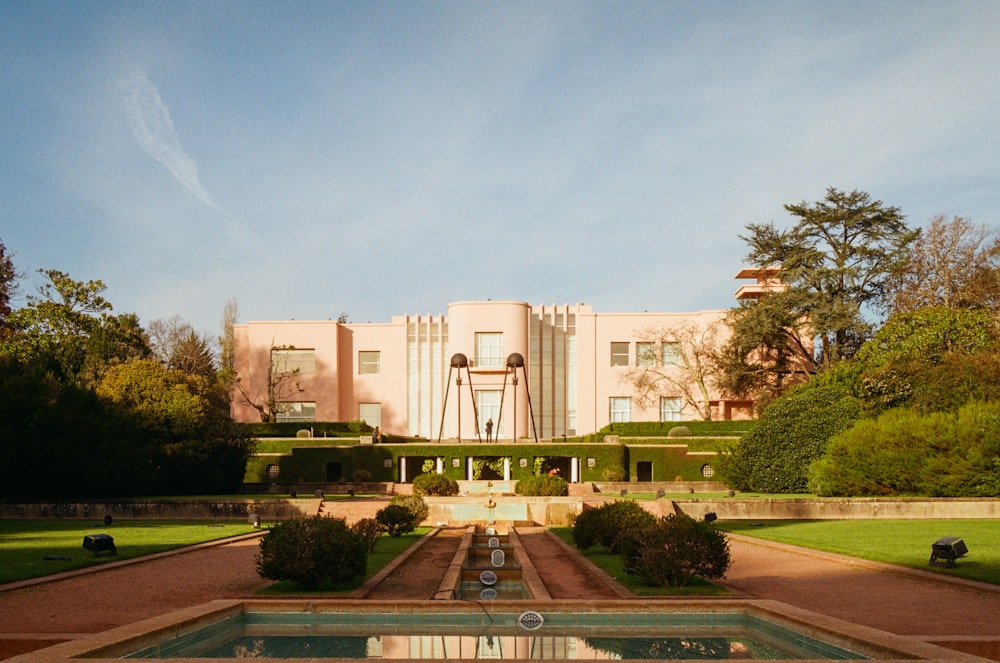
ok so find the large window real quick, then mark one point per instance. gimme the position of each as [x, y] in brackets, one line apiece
[489, 350]
[671, 353]
[369, 362]
[370, 413]
[645, 354]
[295, 412]
[670, 409]
[619, 354]
[621, 409]
[292, 360]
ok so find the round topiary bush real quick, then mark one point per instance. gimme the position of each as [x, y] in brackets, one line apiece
[312, 552]
[613, 474]
[435, 484]
[397, 520]
[414, 504]
[679, 431]
[609, 524]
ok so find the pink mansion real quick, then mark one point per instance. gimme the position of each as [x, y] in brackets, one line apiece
[570, 369]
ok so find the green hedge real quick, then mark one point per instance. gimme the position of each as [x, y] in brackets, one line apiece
[309, 464]
[319, 428]
[662, 428]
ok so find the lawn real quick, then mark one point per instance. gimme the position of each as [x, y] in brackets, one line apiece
[35, 548]
[901, 542]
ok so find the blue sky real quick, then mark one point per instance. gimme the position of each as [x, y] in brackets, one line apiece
[316, 158]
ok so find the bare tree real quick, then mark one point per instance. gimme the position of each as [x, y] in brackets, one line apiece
[676, 361]
[227, 341]
[281, 383]
[954, 264]
[178, 346]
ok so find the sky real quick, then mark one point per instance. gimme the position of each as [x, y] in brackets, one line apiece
[316, 159]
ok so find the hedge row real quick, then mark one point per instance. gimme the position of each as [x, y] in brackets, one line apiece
[663, 428]
[317, 428]
[381, 462]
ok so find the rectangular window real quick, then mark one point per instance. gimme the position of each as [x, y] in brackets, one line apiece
[621, 409]
[291, 360]
[645, 354]
[295, 412]
[619, 354]
[370, 413]
[670, 409]
[369, 362]
[671, 353]
[489, 350]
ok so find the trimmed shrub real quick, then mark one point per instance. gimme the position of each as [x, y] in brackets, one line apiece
[679, 431]
[613, 474]
[544, 485]
[435, 484]
[905, 453]
[369, 529]
[414, 504]
[397, 520]
[361, 476]
[675, 548]
[312, 552]
[791, 434]
[609, 524]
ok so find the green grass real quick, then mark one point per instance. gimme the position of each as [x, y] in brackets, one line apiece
[25, 544]
[612, 565]
[387, 549]
[902, 542]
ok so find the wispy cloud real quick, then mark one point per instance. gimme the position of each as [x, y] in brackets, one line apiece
[149, 120]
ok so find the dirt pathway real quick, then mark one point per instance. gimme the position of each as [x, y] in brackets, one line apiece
[421, 574]
[559, 568]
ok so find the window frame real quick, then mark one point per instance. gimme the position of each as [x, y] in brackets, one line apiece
[617, 355]
[614, 414]
[363, 364]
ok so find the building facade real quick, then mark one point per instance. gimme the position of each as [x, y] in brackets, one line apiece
[498, 369]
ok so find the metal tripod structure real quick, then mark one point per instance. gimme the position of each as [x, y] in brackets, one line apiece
[459, 361]
[514, 361]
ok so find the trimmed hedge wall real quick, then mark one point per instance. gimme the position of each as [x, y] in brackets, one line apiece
[309, 464]
[662, 428]
[319, 428]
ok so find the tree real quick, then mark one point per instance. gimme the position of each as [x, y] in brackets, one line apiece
[676, 360]
[954, 264]
[227, 344]
[193, 442]
[839, 257]
[178, 346]
[931, 358]
[769, 349]
[9, 277]
[53, 329]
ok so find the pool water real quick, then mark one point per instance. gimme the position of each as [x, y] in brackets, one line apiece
[603, 636]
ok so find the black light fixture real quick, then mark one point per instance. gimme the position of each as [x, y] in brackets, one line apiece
[100, 543]
[946, 550]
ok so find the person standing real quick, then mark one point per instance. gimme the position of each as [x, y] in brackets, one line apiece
[489, 429]
[376, 435]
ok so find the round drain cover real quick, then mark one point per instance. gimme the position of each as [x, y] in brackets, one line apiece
[530, 620]
[498, 557]
[488, 577]
[488, 594]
